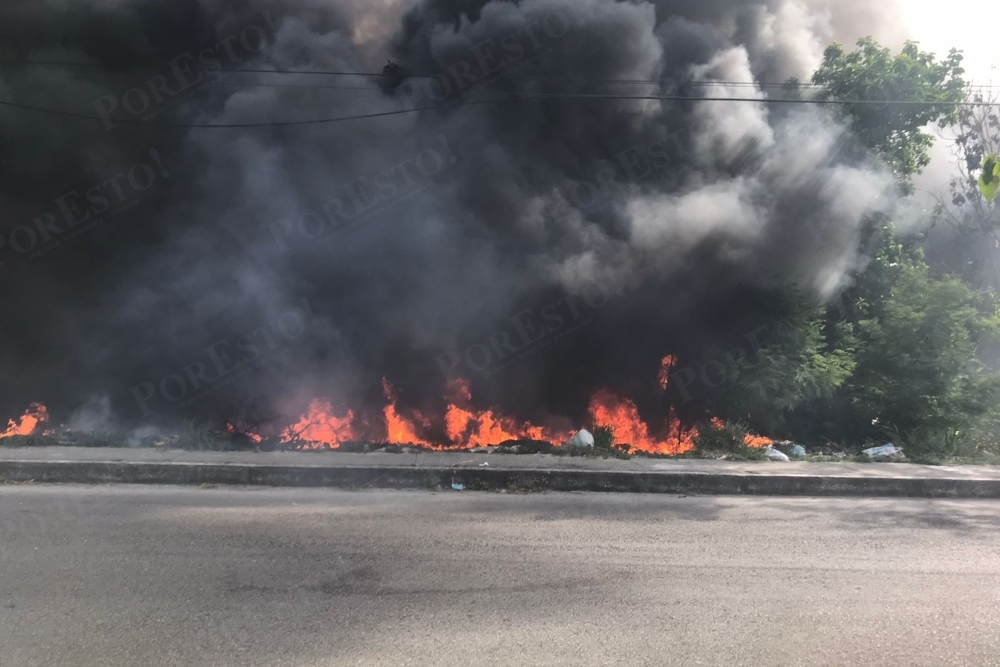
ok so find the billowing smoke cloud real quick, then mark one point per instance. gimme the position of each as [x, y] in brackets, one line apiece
[184, 271]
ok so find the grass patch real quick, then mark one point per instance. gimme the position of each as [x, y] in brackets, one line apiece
[728, 441]
[937, 446]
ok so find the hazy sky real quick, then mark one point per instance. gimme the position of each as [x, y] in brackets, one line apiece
[962, 26]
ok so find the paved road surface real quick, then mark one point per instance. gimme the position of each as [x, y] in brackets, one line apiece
[139, 576]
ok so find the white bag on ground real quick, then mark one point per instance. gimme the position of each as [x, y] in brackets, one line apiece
[583, 438]
[774, 455]
[887, 450]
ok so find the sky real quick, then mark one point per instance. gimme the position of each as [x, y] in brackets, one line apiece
[961, 27]
[937, 31]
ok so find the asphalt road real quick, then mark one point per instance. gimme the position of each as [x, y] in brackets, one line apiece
[140, 576]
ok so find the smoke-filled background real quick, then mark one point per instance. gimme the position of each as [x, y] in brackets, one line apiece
[153, 273]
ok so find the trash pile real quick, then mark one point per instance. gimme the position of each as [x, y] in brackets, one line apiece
[795, 451]
[790, 451]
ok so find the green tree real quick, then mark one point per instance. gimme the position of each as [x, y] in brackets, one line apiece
[889, 99]
[802, 359]
[914, 336]
[895, 355]
[917, 337]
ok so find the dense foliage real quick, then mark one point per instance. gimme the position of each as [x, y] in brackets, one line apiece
[894, 357]
[889, 99]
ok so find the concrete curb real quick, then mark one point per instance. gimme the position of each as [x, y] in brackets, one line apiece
[532, 479]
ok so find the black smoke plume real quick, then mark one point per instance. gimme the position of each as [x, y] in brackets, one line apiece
[540, 248]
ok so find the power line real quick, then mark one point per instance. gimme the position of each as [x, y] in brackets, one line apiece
[240, 84]
[405, 76]
[61, 63]
[525, 98]
[657, 82]
[258, 84]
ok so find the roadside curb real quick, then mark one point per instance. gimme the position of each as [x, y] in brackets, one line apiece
[486, 479]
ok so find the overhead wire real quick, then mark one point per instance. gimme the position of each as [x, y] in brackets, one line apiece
[797, 84]
[404, 75]
[242, 84]
[539, 96]
[522, 98]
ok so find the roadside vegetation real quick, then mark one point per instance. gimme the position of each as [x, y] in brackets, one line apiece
[906, 353]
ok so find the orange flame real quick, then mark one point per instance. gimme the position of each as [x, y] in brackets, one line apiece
[666, 365]
[467, 427]
[249, 434]
[757, 440]
[320, 426]
[36, 415]
[400, 429]
[622, 415]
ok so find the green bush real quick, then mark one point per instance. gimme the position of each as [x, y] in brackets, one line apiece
[729, 439]
[604, 446]
[936, 445]
[604, 437]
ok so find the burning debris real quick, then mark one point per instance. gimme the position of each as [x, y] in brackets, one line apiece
[320, 426]
[468, 429]
[30, 423]
[323, 426]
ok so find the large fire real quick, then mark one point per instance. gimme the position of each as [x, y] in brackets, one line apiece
[622, 416]
[467, 427]
[470, 428]
[30, 422]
